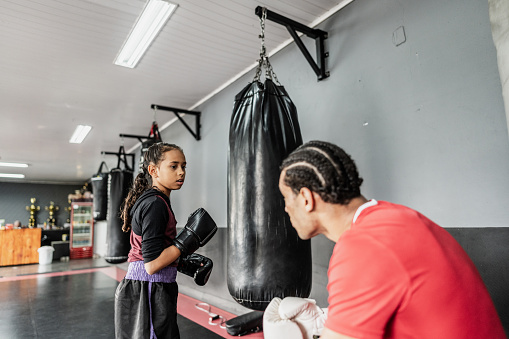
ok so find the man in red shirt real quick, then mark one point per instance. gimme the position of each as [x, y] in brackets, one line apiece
[393, 272]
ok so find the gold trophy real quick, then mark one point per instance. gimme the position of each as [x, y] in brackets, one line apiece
[32, 209]
[68, 210]
[52, 208]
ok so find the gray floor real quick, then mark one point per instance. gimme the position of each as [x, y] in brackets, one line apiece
[72, 305]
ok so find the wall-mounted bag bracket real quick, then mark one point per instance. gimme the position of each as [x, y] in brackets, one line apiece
[154, 135]
[318, 35]
[177, 111]
[140, 138]
[122, 158]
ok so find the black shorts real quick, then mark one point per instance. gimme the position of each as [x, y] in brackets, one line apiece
[146, 310]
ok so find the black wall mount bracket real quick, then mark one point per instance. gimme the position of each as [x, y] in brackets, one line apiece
[177, 112]
[140, 138]
[318, 35]
[122, 158]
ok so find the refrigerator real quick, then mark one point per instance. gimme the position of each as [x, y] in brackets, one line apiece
[82, 229]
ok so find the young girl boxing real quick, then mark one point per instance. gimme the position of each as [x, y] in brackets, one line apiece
[146, 299]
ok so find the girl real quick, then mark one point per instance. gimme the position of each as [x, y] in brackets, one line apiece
[146, 299]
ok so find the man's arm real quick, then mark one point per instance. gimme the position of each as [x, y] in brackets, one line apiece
[330, 334]
[167, 256]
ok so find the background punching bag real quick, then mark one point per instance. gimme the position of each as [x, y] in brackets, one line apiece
[266, 258]
[117, 241]
[100, 190]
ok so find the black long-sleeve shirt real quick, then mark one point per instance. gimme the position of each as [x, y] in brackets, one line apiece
[153, 226]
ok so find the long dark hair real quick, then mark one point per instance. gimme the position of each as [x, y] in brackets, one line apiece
[143, 181]
[324, 168]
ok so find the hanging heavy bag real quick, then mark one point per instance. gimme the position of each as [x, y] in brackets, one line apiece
[99, 182]
[119, 183]
[266, 258]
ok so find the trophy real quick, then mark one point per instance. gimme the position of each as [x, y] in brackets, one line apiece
[68, 210]
[52, 209]
[32, 208]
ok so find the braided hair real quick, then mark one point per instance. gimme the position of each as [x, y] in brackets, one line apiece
[143, 181]
[324, 168]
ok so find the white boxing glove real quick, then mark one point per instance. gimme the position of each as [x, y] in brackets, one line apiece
[275, 327]
[305, 313]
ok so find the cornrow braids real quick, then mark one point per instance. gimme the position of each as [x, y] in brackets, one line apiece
[143, 181]
[324, 168]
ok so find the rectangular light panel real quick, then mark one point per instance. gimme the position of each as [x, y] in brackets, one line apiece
[150, 22]
[12, 164]
[12, 176]
[80, 134]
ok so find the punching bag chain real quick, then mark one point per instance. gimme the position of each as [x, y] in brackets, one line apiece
[264, 62]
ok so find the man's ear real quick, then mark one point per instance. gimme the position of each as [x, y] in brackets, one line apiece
[308, 198]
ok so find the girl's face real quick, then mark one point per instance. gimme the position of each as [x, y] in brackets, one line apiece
[170, 173]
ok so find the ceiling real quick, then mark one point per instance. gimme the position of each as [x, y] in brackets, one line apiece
[57, 71]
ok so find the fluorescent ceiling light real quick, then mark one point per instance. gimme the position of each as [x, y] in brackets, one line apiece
[12, 164]
[79, 134]
[149, 23]
[13, 176]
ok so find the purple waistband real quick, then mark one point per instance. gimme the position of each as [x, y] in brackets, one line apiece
[136, 271]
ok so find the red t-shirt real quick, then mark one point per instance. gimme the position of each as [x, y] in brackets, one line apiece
[396, 274]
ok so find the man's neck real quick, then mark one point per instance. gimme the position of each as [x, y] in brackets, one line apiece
[339, 217]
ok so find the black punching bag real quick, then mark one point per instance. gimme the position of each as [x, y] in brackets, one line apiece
[100, 191]
[117, 241]
[266, 258]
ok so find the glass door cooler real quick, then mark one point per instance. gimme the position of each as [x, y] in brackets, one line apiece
[82, 230]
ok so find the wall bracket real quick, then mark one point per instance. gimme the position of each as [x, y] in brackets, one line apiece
[122, 158]
[140, 138]
[176, 111]
[318, 35]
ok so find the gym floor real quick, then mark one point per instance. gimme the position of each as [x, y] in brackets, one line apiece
[74, 299]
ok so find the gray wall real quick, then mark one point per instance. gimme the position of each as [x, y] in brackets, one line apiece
[424, 121]
[14, 197]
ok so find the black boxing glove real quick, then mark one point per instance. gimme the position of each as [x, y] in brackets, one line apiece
[196, 266]
[196, 233]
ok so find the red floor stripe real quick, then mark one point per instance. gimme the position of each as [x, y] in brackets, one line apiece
[186, 306]
[55, 274]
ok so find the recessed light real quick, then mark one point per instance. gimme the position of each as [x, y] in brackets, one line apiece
[12, 176]
[12, 164]
[149, 23]
[80, 134]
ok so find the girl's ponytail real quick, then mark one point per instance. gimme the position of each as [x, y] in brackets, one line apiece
[142, 182]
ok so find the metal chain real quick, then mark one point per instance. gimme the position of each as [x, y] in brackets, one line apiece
[264, 62]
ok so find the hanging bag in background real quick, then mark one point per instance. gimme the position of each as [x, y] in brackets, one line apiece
[99, 182]
[119, 183]
[266, 258]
